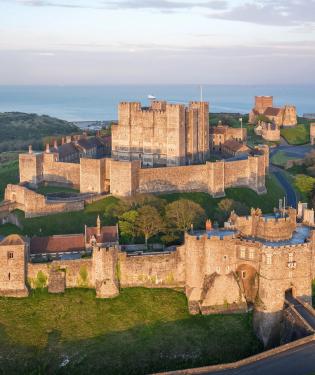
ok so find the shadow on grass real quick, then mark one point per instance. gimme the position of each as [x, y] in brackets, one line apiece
[143, 349]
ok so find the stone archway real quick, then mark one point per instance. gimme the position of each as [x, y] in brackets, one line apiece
[248, 281]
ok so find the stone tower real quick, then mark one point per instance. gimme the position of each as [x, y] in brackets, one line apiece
[289, 115]
[31, 167]
[13, 265]
[105, 264]
[163, 134]
[262, 103]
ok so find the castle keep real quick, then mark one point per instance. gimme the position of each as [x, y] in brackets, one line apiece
[163, 134]
[253, 261]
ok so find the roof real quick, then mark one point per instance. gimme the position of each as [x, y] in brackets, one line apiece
[272, 111]
[218, 130]
[12, 239]
[57, 244]
[86, 143]
[108, 234]
[67, 149]
[235, 146]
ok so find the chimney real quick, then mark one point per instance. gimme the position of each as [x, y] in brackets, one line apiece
[98, 226]
[30, 149]
[55, 144]
[47, 148]
[63, 140]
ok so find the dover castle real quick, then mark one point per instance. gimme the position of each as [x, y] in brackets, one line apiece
[251, 263]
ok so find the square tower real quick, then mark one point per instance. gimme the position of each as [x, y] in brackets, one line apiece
[13, 263]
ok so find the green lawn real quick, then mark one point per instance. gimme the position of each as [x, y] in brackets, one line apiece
[297, 135]
[304, 185]
[9, 174]
[280, 158]
[140, 332]
[55, 189]
[65, 223]
[266, 201]
[73, 222]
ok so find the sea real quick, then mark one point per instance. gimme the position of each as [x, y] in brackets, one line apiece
[99, 103]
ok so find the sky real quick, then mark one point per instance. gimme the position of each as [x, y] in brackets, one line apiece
[76, 42]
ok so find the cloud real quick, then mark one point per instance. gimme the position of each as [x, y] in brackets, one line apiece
[161, 5]
[166, 5]
[272, 12]
[44, 3]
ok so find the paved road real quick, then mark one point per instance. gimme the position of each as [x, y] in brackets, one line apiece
[298, 361]
[310, 318]
[295, 151]
[290, 192]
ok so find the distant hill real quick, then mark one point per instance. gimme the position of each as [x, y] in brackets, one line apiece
[18, 130]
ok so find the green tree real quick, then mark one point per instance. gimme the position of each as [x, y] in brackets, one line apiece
[149, 222]
[184, 212]
[127, 224]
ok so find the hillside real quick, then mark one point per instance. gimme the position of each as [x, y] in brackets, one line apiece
[18, 130]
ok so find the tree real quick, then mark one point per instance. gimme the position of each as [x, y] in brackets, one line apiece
[226, 205]
[127, 224]
[149, 222]
[183, 213]
[140, 200]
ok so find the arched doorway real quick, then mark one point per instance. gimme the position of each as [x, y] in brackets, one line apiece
[248, 281]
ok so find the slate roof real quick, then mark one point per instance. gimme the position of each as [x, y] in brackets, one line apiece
[57, 244]
[67, 149]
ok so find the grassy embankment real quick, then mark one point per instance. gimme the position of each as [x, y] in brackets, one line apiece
[9, 174]
[139, 332]
[280, 158]
[73, 222]
[18, 130]
[298, 135]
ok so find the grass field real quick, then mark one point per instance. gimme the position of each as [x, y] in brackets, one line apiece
[73, 222]
[9, 174]
[280, 158]
[304, 185]
[139, 332]
[266, 201]
[45, 190]
[297, 135]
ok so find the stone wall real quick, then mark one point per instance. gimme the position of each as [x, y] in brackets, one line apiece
[152, 270]
[34, 204]
[93, 175]
[212, 177]
[60, 173]
[268, 228]
[78, 273]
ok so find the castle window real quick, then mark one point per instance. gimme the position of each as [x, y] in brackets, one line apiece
[251, 254]
[243, 274]
[269, 259]
[243, 253]
[9, 276]
[291, 257]
[10, 254]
